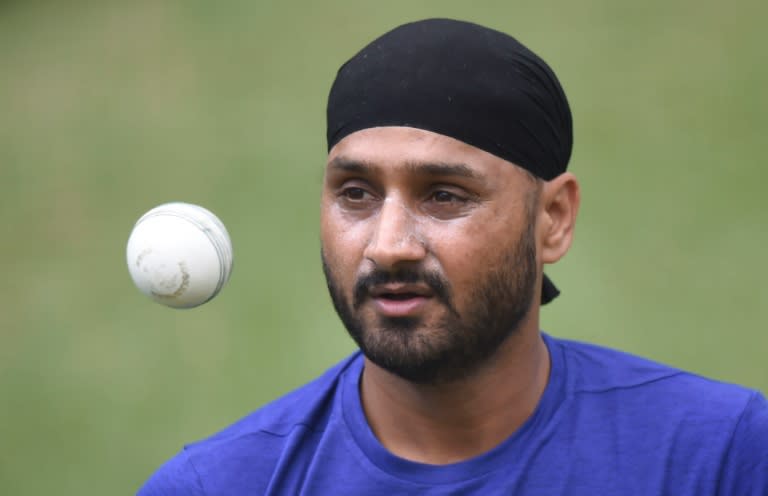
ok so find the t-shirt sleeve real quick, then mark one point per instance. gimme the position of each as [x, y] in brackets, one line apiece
[745, 472]
[176, 477]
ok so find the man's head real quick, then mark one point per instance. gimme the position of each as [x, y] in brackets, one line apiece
[444, 194]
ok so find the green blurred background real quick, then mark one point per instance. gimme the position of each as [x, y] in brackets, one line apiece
[110, 108]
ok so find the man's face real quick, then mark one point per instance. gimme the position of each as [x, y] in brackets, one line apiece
[428, 249]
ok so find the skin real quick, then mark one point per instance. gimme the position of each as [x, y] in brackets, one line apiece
[386, 207]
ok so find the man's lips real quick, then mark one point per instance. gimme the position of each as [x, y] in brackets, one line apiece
[400, 300]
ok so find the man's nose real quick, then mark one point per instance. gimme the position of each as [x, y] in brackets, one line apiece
[396, 237]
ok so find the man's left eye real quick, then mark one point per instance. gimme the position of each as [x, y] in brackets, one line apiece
[445, 197]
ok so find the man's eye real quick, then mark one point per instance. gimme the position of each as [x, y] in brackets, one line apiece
[354, 194]
[446, 197]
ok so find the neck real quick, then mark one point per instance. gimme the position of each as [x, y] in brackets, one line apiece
[448, 423]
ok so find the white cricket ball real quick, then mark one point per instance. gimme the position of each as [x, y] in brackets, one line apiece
[179, 255]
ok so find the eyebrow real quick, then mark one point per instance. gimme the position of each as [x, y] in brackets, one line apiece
[420, 168]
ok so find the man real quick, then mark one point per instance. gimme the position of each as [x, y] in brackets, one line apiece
[445, 192]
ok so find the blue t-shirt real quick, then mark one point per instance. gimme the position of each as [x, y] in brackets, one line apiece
[608, 423]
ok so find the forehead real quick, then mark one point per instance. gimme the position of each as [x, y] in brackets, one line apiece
[405, 148]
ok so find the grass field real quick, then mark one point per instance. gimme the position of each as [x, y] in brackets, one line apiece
[109, 108]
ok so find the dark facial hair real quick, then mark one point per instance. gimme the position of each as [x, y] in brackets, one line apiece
[460, 342]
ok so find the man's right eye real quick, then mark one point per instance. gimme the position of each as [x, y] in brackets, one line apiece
[354, 194]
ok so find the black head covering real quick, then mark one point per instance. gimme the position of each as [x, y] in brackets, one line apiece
[462, 80]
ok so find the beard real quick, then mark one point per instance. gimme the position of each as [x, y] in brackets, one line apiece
[458, 343]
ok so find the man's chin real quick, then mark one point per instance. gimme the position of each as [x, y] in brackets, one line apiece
[416, 371]
[398, 324]
[406, 350]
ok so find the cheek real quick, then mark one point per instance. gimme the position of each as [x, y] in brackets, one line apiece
[343, 244]
[469, 252]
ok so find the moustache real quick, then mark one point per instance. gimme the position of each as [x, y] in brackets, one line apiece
[433, 280]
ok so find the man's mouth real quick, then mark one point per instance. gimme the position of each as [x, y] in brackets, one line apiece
[400, 300]
[398, 296]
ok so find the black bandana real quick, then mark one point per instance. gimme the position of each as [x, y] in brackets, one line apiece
[462, 80]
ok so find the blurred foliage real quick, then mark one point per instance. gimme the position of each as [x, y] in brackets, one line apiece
[110, 108]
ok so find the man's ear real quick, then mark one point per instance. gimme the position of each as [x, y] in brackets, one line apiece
[560, 198]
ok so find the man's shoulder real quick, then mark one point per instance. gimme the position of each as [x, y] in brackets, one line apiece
[253, 441]
[680, 430]
[599, 370]
[308, 406]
